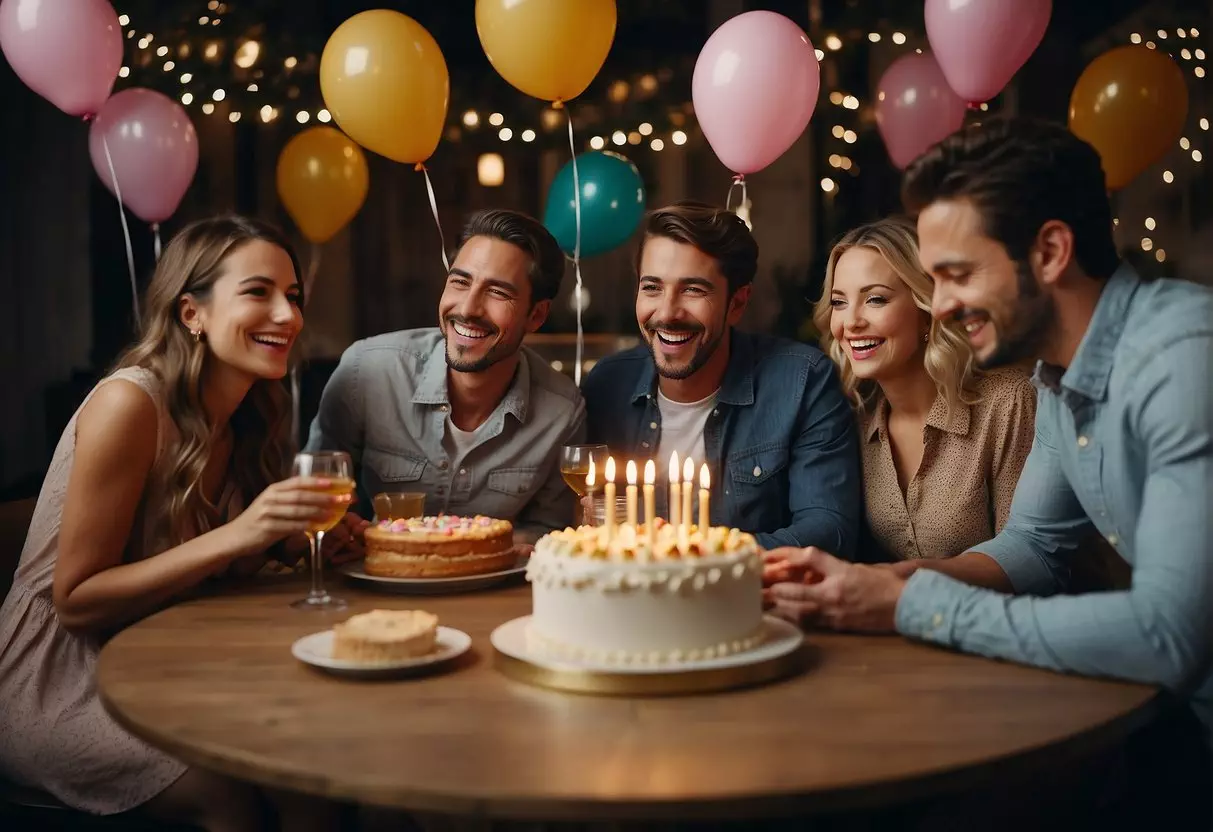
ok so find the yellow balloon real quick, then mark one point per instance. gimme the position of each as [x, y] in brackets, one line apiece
[385, 81]
[1130, 104]
[322, 181]
[551, 49]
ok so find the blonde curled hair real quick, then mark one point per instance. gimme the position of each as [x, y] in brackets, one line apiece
[949, 361]
[262, 446]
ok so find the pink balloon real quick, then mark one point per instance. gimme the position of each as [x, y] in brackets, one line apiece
[67, 51]
[755, 88]
[981, 44]
[154, 149]
[915, 107]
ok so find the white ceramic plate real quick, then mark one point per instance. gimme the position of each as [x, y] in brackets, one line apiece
[317, 650]
[781, 638]
[430, 586]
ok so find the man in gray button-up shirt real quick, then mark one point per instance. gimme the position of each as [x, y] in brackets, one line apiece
[464, 412]
[1016, 228]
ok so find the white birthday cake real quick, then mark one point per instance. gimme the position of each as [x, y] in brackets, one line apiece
[620, 598]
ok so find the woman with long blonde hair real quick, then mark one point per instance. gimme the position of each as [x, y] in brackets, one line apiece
[144, 499]
[942, 444]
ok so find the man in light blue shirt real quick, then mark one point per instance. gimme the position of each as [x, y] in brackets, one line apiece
[1016, 228]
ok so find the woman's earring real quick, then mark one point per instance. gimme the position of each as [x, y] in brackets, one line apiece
[926, 337]
[197, 333]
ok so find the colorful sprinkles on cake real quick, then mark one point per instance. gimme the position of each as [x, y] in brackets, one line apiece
[441, 523]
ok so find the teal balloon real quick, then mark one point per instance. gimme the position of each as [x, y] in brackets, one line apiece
[612, 203]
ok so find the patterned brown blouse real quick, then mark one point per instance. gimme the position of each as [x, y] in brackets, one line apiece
[971, 460]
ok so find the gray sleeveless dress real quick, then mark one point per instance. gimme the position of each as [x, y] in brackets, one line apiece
[54, 732]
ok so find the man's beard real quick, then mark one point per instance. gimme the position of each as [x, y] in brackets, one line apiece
[703, 353]
[1027, 323]
[497, 352]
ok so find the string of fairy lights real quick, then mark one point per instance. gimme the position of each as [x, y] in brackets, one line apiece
[221, 63]
[1189, 56]
[213, 69]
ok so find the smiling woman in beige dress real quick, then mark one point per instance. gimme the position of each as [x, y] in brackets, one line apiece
[942, 443]
[141, 503]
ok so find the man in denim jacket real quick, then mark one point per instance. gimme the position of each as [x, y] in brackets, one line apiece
[766, 414]
[464, 412]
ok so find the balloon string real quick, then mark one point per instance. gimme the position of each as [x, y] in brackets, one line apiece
[156, 240]
[728, 200]
[309, 278]
[576, 250]
[429, 189]
[126, 232]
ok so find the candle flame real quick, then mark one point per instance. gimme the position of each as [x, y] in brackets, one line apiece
[705, 479]
[674, 467]
[650, 473]
[591, 478]
[631, 472]
[688, 470]
[610, 469]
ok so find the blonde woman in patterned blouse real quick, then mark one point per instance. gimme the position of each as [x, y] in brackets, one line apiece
[942, 443]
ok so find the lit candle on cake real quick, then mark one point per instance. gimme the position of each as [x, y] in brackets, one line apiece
[650, 503]
[688, 491]
[705, 485]
[609, 497]
[675, 492]
[591, 479]
[631, 494]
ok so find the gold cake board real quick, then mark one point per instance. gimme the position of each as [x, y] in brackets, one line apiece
[780, 656]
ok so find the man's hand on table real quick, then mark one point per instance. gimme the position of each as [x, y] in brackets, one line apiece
[810, 587]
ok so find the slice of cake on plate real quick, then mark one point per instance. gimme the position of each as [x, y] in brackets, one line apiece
[385, 636]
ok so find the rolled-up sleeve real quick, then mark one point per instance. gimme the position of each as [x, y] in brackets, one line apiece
[1158, 631]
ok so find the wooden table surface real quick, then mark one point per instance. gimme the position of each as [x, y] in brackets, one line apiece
[869, 722]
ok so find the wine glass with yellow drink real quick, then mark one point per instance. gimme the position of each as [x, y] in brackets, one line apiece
[575, 465]
[336, 467]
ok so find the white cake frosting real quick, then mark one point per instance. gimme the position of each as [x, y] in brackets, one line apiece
[690, 596]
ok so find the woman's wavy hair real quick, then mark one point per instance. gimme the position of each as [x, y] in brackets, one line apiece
[262, 445]
[949, 361]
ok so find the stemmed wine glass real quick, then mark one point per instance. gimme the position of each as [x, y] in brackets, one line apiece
[575, 464]
[337, 468]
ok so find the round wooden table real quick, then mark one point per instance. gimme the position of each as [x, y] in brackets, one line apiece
[869, 722]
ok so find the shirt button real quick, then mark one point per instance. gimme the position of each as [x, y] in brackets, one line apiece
[715, 411]
[1083, 441]
[444, 408]
[937, 619]
[653, 425]
[1113, 539]
[644, 444]
[462, 471]
[443, 465]
[757, 471]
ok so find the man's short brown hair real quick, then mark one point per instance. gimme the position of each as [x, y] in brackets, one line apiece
[528, 234]
[720, 234]
[1019, 173]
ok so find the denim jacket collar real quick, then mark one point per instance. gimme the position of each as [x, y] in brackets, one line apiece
[737, 387]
